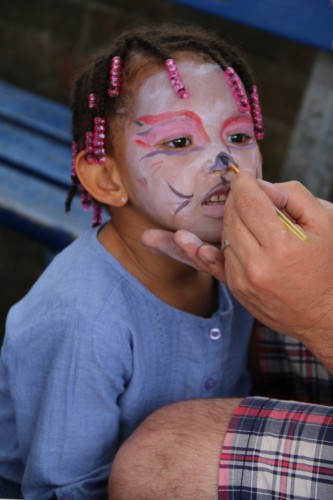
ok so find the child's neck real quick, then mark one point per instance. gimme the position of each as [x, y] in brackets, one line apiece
[174, 283]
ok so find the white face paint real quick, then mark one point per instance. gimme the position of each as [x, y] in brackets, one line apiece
[171, 148]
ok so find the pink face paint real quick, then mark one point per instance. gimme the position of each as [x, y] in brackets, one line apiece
[157, 164]
[238, 131]
[142, 182]
[171, 125]
[183, 188]
[169, 115]
[141, 143]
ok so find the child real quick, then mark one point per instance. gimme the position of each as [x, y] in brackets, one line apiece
[110, 332]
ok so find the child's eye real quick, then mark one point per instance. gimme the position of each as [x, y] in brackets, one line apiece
[180, 142]
[240, 138]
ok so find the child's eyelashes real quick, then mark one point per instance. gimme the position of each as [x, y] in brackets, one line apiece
[239, 138]
[178, 143]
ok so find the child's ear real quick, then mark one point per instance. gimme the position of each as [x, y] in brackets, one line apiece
[103, 182]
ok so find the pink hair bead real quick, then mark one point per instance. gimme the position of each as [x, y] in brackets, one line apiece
[97, 214]
[175, 79]
[92, 101]
[236, 86]
[89, 156]
[256, 114]
[115, 76]
[98, 139]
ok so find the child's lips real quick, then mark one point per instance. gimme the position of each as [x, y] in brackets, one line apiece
[214, 201]
[217, 195]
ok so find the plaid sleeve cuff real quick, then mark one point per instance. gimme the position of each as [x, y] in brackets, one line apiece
[277, 449]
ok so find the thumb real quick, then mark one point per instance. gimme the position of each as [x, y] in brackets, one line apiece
[302, 206]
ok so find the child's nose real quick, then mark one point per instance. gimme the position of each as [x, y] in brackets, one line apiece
[221, 163]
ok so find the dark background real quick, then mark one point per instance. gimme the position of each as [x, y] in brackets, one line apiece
[43, 43]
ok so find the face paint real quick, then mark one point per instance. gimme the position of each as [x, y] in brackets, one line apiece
[172, 150]
[168, 125]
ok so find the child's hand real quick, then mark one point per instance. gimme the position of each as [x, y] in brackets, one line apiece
[186, 247]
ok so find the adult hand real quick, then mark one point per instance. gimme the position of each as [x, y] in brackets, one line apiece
[283, 281]
[182, 246]
[186, 247]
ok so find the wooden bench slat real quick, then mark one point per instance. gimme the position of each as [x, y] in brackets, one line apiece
[306, 21]
[35, 163]
[35, 112]
[43, 156]
[36, 208]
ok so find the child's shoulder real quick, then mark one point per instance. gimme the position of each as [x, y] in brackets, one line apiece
[79, 278]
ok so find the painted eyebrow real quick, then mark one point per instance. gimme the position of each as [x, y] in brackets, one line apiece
[171, 115]
[236, 120]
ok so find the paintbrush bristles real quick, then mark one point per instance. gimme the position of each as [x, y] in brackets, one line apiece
[233, 168]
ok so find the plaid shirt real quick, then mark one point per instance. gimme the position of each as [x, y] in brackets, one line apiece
[277, 449]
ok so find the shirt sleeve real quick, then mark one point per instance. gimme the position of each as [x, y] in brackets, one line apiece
[65, 377]
[277, 449]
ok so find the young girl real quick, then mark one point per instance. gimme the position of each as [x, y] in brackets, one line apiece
[111, 332]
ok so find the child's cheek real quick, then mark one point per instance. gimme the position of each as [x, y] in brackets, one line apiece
[142, 183]
[249, 159]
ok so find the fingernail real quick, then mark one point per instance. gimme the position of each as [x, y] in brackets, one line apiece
[207, 254]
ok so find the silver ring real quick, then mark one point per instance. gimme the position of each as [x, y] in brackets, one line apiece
[225, 244]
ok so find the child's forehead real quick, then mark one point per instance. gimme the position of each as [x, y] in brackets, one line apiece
[202, 79]
[190, 67]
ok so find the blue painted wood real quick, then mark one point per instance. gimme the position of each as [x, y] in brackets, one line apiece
[35, 112]
[38, 154]
[305, 21]
[35, 164]
[37, 208]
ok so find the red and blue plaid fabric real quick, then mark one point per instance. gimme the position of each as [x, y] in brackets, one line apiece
[278, 448]
[288, 370]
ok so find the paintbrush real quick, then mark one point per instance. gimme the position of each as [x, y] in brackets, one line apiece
[229, 163]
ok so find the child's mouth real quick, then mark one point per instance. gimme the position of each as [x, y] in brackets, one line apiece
[217, 195]
[213, 204]
[215, 199]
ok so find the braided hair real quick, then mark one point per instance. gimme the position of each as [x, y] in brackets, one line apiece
[102, 91]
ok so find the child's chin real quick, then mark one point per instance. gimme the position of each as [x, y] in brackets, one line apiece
[210, 235]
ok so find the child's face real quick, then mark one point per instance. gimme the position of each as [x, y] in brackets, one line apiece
[170, 150]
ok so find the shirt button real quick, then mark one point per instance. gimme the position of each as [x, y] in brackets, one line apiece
[210, 383]
[215, 333]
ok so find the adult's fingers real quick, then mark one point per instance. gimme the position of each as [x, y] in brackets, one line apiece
[278, 197]
[254, 213]
[204, 256]
[302, 205]
[162, 242]
[246, 212]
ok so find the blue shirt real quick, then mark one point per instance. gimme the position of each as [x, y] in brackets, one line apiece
[88, 353]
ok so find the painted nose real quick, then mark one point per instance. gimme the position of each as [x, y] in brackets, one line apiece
[221, 163]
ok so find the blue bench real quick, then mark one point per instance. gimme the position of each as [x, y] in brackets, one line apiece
[305, 21]
[35, 162]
